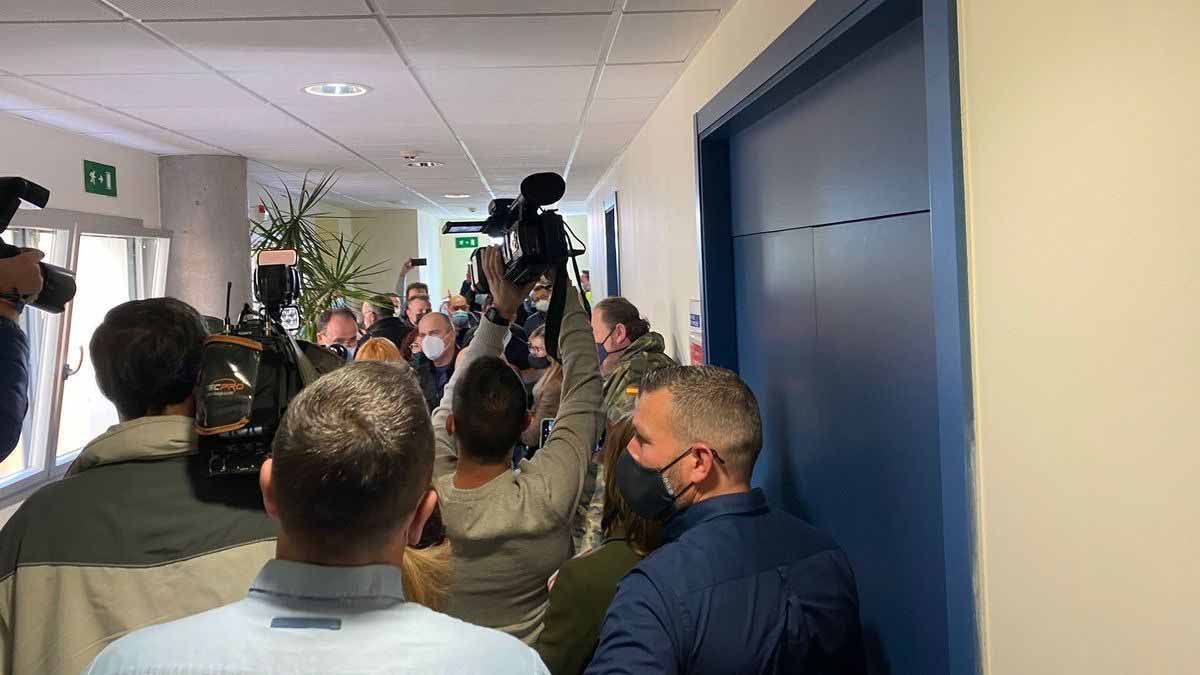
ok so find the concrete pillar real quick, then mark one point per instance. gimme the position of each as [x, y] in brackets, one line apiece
[203, 202]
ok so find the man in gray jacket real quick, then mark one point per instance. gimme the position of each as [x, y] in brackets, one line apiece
[510, 531]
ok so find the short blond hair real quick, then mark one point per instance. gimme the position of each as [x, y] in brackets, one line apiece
[378, 349]
[714, 406]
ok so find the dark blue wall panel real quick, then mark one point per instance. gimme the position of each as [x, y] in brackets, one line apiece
[875, 477]
[776, 298]
[836, 334]
[853, 146]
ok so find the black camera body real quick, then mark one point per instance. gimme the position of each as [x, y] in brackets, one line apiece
[250, 373]
[58, 283]
[534, 239]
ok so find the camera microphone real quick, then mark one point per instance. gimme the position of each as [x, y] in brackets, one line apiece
[543, 189]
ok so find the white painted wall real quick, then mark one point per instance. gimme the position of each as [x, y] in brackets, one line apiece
[1082, 166]
[54, 158]
[656, 177]
[429, 233]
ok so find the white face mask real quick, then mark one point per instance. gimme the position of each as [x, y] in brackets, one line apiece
[433, 347]
[542, 306]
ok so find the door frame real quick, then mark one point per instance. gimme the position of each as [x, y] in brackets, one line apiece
[829, 34]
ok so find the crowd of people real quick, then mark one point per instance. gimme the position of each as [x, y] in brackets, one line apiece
[457, 498]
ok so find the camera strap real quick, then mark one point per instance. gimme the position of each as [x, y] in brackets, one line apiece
[308, 373]
[558, 301]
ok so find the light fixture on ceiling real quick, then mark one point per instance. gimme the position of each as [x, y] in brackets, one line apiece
[336, 89]
[457, 196]
[424, 164]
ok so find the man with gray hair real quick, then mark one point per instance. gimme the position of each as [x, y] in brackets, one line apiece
[738, 587]
[349, 483]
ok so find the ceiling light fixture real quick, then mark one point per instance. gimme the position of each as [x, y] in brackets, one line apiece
[424, 165]
[337, 89]
[457, 196]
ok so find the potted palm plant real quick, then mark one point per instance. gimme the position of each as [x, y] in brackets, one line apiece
[330, 268]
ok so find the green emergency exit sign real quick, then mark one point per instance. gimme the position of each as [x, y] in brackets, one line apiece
[466, 242]
[99, 179]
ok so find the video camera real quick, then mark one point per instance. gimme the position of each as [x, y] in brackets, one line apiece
[251, 371]
[535, 242]
[58, 284]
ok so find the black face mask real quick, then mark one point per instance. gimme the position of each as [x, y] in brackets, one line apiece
[539, 362]
[647, 491]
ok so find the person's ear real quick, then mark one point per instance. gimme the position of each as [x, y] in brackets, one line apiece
[620, 333]
[450, 424]
[424, 510]
[268, 489]
[703, 463]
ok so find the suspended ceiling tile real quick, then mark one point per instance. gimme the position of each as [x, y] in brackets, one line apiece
[87, 120]
[465, 112]
[500, 42]
[256, 115]
[651, 80]
[390, 86]
[223, 9]
[365, 126]
[55, 10]
[622, 110]
[158, 143]
[674, 5]
[18, 94]
[662, 37]
[424, 142]
[86, 48]
[321, 48]
[441, 7]
[148, 91]
[483, 85]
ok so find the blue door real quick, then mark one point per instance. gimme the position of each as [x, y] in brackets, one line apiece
[829, 201]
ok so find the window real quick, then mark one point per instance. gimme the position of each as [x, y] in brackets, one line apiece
[115, 260]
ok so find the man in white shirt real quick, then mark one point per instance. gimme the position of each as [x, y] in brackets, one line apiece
[349, 483]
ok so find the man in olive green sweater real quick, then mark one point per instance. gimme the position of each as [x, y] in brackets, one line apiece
[509, 531]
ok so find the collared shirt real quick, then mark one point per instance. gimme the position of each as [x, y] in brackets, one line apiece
[737, 588]
[301, 618]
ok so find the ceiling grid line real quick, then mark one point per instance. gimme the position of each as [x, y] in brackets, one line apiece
[487, 90]
[129, 18]
[390, 31]
[614, 26]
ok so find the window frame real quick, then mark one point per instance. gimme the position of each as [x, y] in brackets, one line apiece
[73, 225]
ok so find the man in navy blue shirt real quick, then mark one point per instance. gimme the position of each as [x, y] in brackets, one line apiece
[738, 587]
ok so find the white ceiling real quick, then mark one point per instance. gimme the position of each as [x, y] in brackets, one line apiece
[492, 89]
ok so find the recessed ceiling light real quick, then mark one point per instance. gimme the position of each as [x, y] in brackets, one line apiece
[336, 89]
[424, 165]
[457, 196]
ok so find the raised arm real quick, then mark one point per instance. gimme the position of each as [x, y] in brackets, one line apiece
[563, 460]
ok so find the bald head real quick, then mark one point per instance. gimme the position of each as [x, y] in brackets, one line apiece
[434, 321]
[459, 303]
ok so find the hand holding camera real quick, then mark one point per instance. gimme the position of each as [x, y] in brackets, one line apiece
[20, 275]
[506, 295]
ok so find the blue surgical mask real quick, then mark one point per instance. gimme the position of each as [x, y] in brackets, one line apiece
[461, 318]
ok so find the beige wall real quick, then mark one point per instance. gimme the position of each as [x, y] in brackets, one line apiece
[54, 158]
[656, 176]
[1082, 167]
[391, 238]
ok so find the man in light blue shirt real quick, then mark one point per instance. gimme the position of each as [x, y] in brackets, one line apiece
[350, 486]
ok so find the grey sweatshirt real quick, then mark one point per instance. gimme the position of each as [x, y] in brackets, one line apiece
[509, 536]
